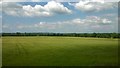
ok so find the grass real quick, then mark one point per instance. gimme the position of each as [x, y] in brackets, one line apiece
[59, 51]
[0, 52]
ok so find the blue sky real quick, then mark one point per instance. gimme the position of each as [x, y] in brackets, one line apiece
[81, 17]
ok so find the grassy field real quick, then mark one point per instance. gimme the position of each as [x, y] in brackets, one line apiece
[59, 51]
[0, 51]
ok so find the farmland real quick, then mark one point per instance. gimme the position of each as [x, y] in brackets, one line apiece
[59, 51]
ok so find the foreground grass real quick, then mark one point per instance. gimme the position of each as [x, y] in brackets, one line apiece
[0, 51]
[59, 51]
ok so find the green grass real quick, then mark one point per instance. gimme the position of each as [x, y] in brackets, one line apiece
[0, 52]
[59, 51]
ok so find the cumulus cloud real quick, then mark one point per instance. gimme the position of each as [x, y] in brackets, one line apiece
[14, 0]
[93, 6]
[92, 21]
[0, 7]
[12, 8]
[49, 9]
[35, 0]
[77, 21]
[5, 26]
[97, 20]
[0, 23]
[111, 15]
[60, 0]
[89, 23]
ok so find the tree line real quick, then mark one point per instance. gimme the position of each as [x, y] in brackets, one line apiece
[97, 35]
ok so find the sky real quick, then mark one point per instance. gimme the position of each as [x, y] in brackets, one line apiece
[63, 17]
[59, 0]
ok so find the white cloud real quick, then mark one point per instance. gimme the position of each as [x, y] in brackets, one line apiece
[14, 0]
[0, 23]
[35, 0]
[53, 6]
[84, 6]
[102, 1]
[49, 9]
[78, 21]
[92, 21]
[11, 8]
[5, 26]
[94, 6]
[106, 21]
[38, 10]
[111, 15]
[112, 0]
[97, 20]
[0, 6]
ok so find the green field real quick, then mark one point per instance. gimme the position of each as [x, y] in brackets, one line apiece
[59, 51]
[0, 52]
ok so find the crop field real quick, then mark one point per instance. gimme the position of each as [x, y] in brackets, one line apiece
[59, 51]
